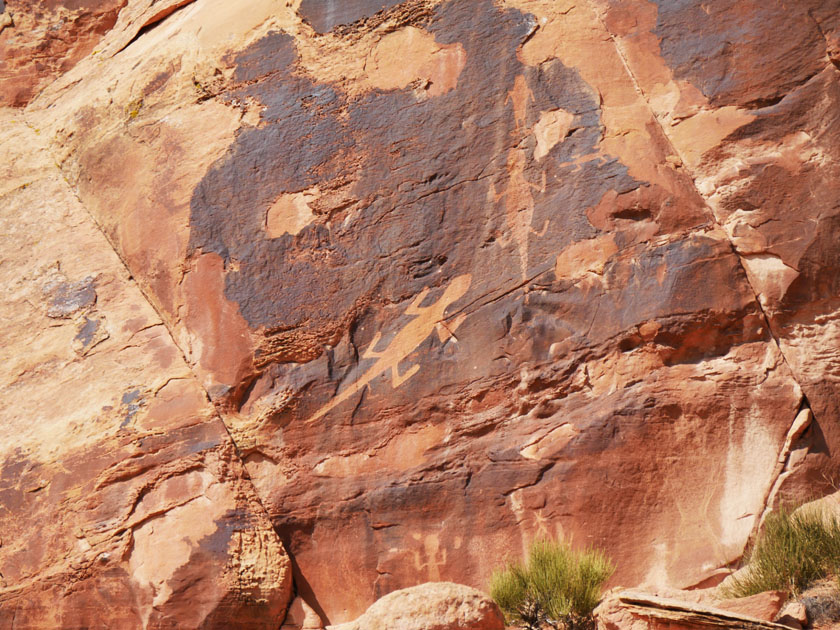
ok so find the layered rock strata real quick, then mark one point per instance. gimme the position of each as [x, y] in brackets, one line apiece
[460, 274]
[629, 610]
[122, 501]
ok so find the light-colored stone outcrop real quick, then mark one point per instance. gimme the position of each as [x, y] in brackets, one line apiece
[430, 606]
[631, 610]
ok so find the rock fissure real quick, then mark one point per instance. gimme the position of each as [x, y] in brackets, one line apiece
[117, 252]
[154, 21]
[434, 263]
[801, 423]
[144, 481]
[710, 213]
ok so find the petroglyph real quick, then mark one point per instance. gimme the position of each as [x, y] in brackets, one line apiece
[434, 555]
[519, 206]
[428, 319]
[533, 523]
[551, 129]
[519, 97]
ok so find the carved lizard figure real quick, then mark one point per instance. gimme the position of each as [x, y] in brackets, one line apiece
[427, 320]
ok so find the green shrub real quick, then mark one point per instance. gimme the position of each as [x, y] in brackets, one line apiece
[558, 586]
[794, 550]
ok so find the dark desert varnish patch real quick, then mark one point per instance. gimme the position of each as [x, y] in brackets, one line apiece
[324, 15]
[726, 49]
[420, 173]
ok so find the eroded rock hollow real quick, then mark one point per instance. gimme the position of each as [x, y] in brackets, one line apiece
[336, 298]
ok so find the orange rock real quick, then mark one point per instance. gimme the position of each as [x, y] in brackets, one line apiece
[793, 614]
[765, 606]
[124, 503]
[454, 275]
[39, 41]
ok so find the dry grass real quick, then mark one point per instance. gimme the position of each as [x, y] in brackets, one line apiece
[794, 550]
[557, 586]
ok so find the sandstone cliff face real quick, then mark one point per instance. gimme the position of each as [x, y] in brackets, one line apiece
[123, 503]
[453, 275]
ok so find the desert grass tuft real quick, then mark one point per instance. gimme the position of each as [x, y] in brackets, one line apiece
[557, 586]
[794, 550]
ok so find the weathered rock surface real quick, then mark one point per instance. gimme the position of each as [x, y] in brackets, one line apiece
[454, 274]
[42, 39]
[431, 606]
[764, 606]
[301, 617]
[794, 615]
[122, 501]
[631, 610]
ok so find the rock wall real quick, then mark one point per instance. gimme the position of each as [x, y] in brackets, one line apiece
[123, 503]
[453, 274]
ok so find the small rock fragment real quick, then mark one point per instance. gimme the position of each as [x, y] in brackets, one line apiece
[794, 615]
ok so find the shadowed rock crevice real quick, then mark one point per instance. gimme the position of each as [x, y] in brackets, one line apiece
[151, 22]
[797, 444]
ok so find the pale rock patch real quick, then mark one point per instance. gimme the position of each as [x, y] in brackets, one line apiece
[696, 135]
[589, 256]
[412, 54]
[430, 606]
[551, 129]
[769, 276]
[290, 213]
[550, 443]
[163, 544]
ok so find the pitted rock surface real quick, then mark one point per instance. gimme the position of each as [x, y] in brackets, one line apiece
[123, 503]
[457, 275]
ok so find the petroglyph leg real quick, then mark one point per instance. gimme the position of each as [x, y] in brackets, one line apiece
[414, 308]
[398, 379]
[542, 232]
[369, 352]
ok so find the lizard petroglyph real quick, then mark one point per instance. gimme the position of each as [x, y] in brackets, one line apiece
[427, 320]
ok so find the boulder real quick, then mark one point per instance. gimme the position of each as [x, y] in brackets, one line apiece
[430, 606]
